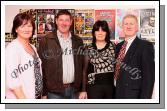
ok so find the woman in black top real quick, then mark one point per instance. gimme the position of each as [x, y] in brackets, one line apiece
[98, 73]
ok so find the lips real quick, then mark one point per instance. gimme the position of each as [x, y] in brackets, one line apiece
[100, 36]
[27, 33]
[129, 30]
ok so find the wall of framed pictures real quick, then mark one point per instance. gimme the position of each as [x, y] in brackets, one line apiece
[85, 18]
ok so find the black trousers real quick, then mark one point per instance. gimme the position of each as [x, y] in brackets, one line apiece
[102, 88]
[100, 91]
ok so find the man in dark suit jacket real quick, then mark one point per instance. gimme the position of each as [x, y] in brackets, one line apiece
[136, 76]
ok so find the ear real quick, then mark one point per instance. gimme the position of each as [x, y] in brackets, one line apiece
[56, 20]
[121, 26]
[16, 30]
[71, 19]
[137, 28]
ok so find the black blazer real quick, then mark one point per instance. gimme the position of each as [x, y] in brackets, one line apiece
[137, 73]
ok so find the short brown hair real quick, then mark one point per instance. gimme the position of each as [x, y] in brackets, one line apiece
[63, 12]
[18, 21]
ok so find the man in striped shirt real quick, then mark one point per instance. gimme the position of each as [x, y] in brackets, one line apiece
[61, 62]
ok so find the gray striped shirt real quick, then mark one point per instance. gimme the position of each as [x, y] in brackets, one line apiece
[67, 58]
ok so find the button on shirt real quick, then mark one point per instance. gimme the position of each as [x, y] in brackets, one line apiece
[67, 58]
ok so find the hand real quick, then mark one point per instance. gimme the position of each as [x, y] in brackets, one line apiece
[83, 95]
[44, 97]
[18, 91]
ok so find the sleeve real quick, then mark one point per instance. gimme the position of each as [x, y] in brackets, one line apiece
[12, 62]
[148, 71]
[153, 94]
[41, 53]
[85, 68]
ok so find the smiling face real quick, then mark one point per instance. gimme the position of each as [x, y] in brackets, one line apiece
[23, 26]
[130, 26]
[64, 23]
[25, 30]
[100, 35]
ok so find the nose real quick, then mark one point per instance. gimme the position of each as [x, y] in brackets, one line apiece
[128, 26]
[100, 30]
[64, 23]
[28, 29]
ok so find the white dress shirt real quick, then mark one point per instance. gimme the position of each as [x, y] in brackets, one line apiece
[129, 42]
[67, 58]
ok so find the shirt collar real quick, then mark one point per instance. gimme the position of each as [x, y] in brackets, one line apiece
[130, 39]
[59, 34]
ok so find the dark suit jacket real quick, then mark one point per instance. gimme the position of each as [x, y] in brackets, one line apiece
[137, 73]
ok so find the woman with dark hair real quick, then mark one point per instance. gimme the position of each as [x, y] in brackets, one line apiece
[22, 64]
[98, 69]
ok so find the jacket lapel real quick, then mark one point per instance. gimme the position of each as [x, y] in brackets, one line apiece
[132, 49]
[74, 43]
[56, 39]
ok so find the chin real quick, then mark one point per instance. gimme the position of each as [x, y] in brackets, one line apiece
[100, 40]
[27, 37]
[65, 31]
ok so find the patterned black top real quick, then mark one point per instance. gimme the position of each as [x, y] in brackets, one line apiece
[98, 61]
[38, 78]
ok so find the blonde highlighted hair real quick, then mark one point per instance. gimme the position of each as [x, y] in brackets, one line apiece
[130, 16]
